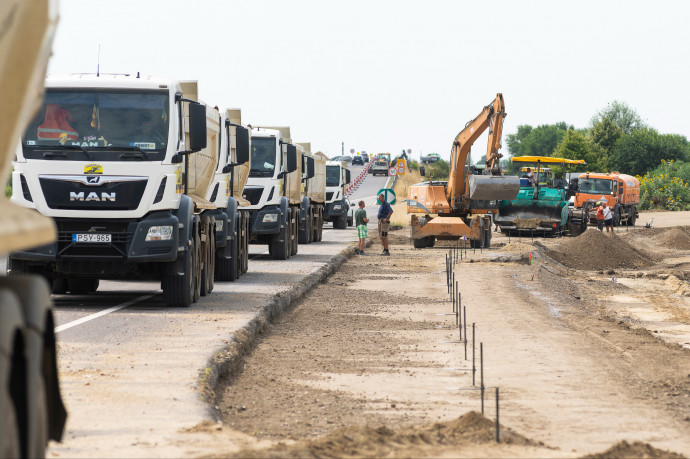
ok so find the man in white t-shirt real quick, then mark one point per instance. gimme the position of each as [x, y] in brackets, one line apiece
[608, 217]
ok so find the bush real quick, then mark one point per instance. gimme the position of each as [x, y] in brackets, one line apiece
[666, 187]
[440, 169]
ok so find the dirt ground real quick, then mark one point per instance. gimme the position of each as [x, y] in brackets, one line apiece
[588, 361]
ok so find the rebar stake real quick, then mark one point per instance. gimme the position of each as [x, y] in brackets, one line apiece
[464, 320]
[498, 426]
[474, 368]
[481, 372]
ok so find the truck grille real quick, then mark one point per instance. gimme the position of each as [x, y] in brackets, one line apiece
[115, 249]
[110, 195]
[253, 194]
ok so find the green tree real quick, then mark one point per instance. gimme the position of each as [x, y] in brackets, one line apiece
[539, 141]
[621, 115]
[643, 149]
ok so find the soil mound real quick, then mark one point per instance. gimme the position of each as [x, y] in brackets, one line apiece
[596, 250]
[470, 428]
[624, 449]
[675, 238]
[517, 247]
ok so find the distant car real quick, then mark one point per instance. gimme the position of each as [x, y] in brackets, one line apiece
[366, 158]
[347, 159]
[358, 160]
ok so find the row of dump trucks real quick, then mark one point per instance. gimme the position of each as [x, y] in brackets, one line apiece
[126, 177]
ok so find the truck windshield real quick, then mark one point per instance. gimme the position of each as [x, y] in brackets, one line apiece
[332, 175]
[99, 125]
[263, 158]
[596, 186]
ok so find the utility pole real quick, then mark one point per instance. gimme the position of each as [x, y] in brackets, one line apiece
[342, 149]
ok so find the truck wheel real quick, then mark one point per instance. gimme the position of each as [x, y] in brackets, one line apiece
[341, 222]
[79, 286]
[196, 260]
[419, 243]
[9, 442]
[178, 291]
[294, 240]
[244, 255]
[59, 286]
[208, 251]
[39, 422]
[430, 241]
[305, 233]
[632, 218]
[350, 222]
[280, 250]
[226, 268]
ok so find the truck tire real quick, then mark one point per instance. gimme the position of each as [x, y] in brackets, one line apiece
[178, 291]
[196, 269]
[340, 222]
[59, 285]
[280, 250]
[632, 218]
[306, 232]
[430, 241]
[244, 244]
[419, 243]
[9, 442]
[294, 240]
[227, 268]
[81, 286]
[208, 252]
[39, 437]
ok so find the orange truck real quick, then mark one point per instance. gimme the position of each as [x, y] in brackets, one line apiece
[620, 191]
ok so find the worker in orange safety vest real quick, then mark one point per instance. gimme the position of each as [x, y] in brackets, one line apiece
[56, 125]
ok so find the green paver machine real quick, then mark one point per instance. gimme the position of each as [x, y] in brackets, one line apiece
[542, 208]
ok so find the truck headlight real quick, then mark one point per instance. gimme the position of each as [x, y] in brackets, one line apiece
[270, 218]
[337, 207]
[160, 233]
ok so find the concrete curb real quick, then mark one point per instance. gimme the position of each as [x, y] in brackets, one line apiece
[228, 360]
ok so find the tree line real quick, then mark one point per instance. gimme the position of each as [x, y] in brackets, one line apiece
[616, 139]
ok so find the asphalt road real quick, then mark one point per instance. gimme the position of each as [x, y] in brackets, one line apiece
[130, 367]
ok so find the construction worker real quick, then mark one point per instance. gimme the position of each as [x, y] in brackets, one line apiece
[57, 125]
[384, 216]
[608, 217]
[600, 216]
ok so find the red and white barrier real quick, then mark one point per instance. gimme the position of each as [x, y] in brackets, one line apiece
[354, 184]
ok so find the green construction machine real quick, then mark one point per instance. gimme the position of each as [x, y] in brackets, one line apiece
[542, 206]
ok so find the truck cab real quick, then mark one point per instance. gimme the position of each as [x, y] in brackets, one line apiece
[273, 191]
[113, 160]
[337, 178]
[620, 191]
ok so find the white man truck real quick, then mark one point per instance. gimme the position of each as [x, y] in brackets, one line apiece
[337, 178]
[313, 195]
[273, 190]
[31, 409]
[123, 165]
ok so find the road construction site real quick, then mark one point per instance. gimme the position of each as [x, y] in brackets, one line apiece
[370, 362]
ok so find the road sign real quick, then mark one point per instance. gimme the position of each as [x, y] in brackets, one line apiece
[388, 195]
[401, 166]
[392, 171]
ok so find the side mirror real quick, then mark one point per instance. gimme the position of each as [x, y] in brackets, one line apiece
[347, 176]
[291, 160]
[310, 167]
[422, 171]
[242, 143]
[197, 126]
[620, 190]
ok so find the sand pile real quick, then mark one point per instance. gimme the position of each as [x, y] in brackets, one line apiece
[636, 449]
[517, 247]
[416, 441]
[596, 250]
[674, 238]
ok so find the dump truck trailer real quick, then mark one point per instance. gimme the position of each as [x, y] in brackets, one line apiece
[123, 164]
[313, 195]
[31, 408]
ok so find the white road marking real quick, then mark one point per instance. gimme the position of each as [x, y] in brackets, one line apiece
[90, 317]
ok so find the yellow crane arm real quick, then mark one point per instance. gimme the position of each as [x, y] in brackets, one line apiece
[491, 116]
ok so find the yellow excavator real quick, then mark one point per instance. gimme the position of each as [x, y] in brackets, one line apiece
[464, 203]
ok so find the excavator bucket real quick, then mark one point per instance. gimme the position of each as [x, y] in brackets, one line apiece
[494, 187]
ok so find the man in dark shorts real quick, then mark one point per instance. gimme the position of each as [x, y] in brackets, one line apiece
[384, 216]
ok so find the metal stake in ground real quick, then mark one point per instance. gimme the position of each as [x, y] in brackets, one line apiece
[460, 315]
[464, 319]
[474, 368]
[481, 372]
[457, 302]
[452, 287]
[447, 274]
[498, 426]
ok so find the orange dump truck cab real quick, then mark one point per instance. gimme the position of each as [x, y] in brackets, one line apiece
[620, 191]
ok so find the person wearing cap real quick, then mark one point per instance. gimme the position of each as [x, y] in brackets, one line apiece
[384, 216]
[600, 216]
